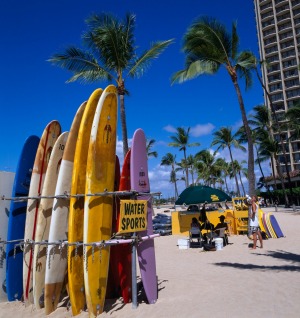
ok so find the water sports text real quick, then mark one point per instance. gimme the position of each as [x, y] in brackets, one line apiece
[133, 216]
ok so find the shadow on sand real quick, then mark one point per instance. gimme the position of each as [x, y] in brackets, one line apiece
[292, 258]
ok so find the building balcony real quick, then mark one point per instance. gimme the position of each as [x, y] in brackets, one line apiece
[295, 4]
[283, 18]
[286, 36]
[268, 24]
[269, 33]
[283, 8]
[267, 16]
[279, 2]
[284, 27]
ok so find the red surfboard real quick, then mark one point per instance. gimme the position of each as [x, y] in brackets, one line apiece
[120, 276]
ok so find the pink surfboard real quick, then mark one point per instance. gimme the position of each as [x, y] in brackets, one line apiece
[140, 182]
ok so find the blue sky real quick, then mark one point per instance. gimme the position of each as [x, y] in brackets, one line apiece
[33, 92]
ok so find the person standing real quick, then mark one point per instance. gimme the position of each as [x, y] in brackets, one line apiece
[254, 225]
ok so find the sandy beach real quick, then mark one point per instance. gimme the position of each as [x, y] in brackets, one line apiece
[234, 282]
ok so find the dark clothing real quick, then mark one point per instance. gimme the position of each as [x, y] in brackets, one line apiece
[203, 217]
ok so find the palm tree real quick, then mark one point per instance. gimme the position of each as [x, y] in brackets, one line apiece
[270, 147]
[261, 121]
[110, 56]
[224, 139]
[208, 46]
[170, 160]
[253, 65]
[208, 169]
[293, 118]
[225, 170]
[150, 143]
[190, 162]
[238, 167]
[181, 140]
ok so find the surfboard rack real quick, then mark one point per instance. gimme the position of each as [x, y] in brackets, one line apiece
[68, 196]
[135, 239]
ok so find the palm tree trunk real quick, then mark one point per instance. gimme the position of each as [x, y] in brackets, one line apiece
[123, 125]
[244, 193]
[226, 185]
[186, 170]
[282, 181]
[251, 174]
[262, 173]
[234, 172]
[274, 175]
[176, 190]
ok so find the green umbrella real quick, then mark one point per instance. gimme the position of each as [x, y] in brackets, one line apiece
[200, 194]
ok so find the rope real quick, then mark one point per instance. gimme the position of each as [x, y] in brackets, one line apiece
[68, 196]
[62, 243]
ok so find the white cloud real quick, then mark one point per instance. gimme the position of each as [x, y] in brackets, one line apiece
[202, 130]
[170, 128]
[196, 131]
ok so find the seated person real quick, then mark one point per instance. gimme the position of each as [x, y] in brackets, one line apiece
[210, 234]
[195, 223]
[221, 225]
[207, 226]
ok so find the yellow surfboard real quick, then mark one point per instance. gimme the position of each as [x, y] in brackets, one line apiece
[270, 227]
[100, 175]
[75, 254]
[260, 222]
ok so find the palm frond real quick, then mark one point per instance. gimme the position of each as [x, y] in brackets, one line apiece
[234, 41]
[179, 77]
[83, 65]
[143, 62]
[74, 59]
[246, 74]
[111, 40]
[88, 77]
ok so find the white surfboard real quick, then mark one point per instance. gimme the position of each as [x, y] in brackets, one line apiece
[44, 218]
[6, 186]
[57, 255]
[47, 141]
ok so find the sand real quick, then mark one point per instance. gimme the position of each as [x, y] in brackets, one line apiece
[234, 282]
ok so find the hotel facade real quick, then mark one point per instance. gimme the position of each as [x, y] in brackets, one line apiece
[278, 30]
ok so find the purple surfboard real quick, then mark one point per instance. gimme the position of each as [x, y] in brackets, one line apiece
[140, 182]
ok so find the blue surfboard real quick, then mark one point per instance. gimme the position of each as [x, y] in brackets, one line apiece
[16, 221]
[276, 226]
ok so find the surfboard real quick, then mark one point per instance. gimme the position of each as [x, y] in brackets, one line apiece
[260, 221]
[120, 264]
[48, 139]
[112, 289]
[6, 187]
[57, 254]
[44, 219]
[264, 220]
[124, 259]
[75, 253]
[276, 226]
[270, 228]
[140, 182]
[17, 216]
[98, 209]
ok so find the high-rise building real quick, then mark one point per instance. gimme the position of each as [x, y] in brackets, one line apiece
[278, 29]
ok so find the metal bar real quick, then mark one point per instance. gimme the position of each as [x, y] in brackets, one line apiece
[134, 280]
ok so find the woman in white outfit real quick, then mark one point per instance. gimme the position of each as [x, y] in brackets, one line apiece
[254, 225]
